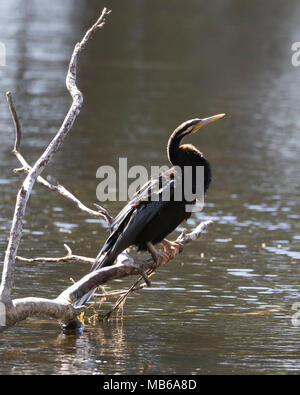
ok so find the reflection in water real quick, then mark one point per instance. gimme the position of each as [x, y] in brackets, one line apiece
[84, 356]
[146, 72]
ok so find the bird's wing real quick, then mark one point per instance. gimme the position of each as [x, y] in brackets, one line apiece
[139, 217]
[136, 214]
[126, 209]
[130, 221]
[151, 191]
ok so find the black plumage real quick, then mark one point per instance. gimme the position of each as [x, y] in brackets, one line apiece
[148, 217]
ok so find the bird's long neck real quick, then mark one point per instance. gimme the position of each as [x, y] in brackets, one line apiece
[188, 155]
[173, 149]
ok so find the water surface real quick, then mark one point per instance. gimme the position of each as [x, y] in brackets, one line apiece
[155, 64]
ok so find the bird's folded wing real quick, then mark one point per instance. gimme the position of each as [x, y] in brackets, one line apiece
[153, 190]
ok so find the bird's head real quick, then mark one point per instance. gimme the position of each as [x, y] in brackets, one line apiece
[185, 129]
[193, 125]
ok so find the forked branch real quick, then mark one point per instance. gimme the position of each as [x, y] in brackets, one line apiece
[35, 171]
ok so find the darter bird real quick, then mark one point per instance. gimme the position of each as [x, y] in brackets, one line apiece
[148, 218]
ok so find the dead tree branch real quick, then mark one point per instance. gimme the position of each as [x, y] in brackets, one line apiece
[101, 213]
[62, 308]
[124, 266]
[69, 257]
[35, 171]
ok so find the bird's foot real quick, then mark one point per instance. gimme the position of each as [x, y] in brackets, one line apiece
[172, 248]
[158, 257]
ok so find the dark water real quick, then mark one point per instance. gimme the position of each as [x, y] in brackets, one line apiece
[228, 308]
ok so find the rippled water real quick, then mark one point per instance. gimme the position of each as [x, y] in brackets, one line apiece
[228, 308]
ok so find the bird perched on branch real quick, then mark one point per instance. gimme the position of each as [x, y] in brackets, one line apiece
[148, 218]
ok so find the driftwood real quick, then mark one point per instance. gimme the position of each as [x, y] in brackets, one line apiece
[62, 307]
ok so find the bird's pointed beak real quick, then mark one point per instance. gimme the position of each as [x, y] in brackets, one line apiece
[205, 121]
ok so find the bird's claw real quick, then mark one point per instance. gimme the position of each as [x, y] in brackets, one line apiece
[160, 258]
[172, 248]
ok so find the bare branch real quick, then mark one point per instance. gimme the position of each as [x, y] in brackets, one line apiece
[41, 163]
[124, 266]
[70, 257]
[186, 238]
[17, 124]
[171, 249]
[63, 309]
[20, 309]
[101, 213]
[117, 293]
[108, 218]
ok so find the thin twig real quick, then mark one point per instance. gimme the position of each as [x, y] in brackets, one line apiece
[108, 218]
[70, 257]
[100, 213]
[117, 293]
[16, 121]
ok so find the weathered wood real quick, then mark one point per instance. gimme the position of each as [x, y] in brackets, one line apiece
[62, 308]
[35, 171]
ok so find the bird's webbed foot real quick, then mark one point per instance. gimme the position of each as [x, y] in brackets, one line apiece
[171, 248]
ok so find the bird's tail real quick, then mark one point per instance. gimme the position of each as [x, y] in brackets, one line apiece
[101, 260]
[105, 258]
